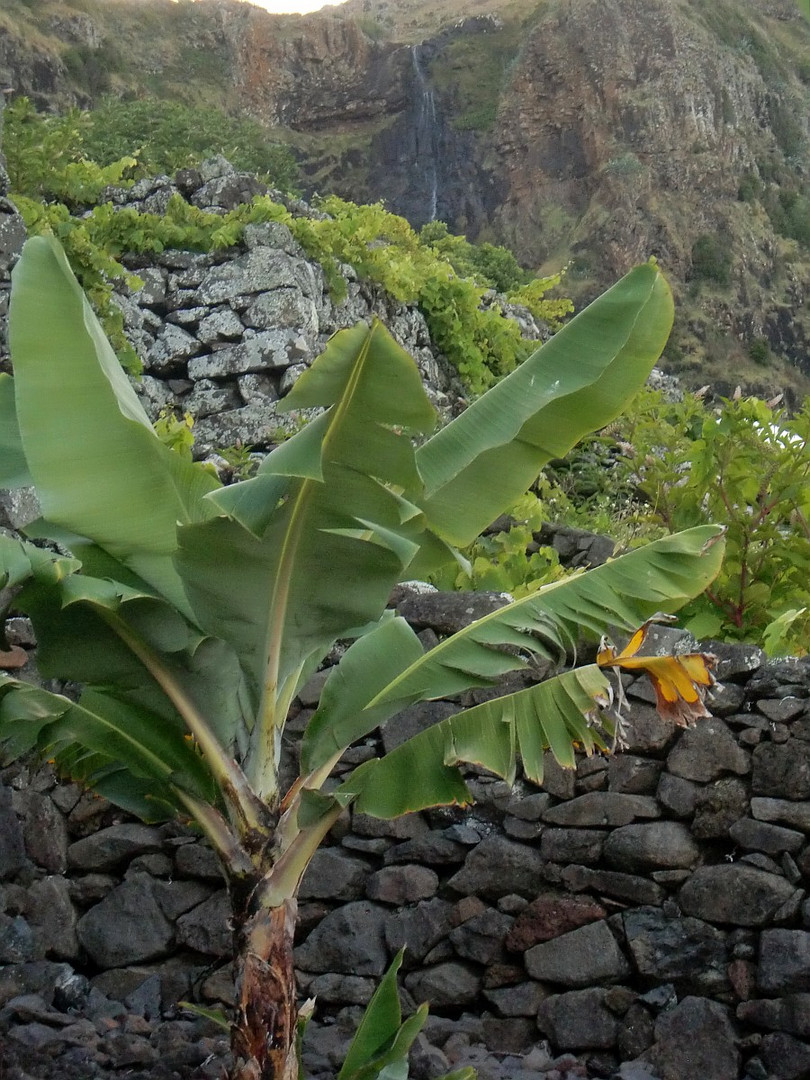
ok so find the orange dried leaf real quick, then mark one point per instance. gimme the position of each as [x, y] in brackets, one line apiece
[680, 682]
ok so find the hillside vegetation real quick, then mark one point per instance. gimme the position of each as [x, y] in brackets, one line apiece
[59, 188]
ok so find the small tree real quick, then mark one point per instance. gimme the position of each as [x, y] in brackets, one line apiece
[192, 613]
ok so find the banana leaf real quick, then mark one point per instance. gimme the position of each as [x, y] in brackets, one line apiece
[579, 381]
[13, 466]
[308, 551]
[75, 615]
[137, 759]
[620, 595]
[381, 1039]
[21, 562]
[558, 715]
[98, 467]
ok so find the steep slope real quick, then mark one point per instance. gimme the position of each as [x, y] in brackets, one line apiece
[637, 127]
[591, 133]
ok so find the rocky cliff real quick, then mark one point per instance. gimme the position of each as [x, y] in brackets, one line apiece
[578, 132]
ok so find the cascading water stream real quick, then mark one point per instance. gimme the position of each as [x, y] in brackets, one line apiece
[427, 134]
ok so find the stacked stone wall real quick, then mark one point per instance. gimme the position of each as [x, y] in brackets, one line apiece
[645, 915]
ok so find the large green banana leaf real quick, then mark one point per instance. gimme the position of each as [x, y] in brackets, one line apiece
[129, 742]
[85, 626]
[579, 381]
[308, 550]
[557, 715]
[387, 669]
[98, 467]
[140, 760]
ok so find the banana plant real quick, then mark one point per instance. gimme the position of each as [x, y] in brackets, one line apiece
[191, 613]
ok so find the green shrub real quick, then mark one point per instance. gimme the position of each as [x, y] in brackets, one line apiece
[625, 165]
[759, 350]
[91, 67]
[745, 465]
[507, 559]
[165, 136]
[750, 188]
[711, 259]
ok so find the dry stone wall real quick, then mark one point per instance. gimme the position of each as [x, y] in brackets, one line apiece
[225, 335]
[644, 916]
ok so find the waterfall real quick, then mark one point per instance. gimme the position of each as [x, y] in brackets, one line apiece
[427, 134]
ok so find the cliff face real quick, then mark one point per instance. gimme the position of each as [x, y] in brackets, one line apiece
[632, 104]
[327, 76]
[629, 104]
[631, 127]
[592, 133]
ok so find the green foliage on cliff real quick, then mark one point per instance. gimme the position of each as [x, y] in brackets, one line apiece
[485, 262]
[168, 135]
[45, 157]
[383, 248]
[134, 139]
[58, 188]
[711, 259]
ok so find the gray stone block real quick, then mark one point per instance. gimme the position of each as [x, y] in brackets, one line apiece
[498, 866]
[656, 845]
[589, 954]
[332, 874]
[676, 949]
[579, 1020]
[12, 849]
[603, 808]
[109, 848]
[349, 941]
[735, 894]
[403, 884]
[207, 927]
[695, 1039]
[447, 985]
[783, 812]
[782, 770]
[482, 937]
[705, 752]
[784, 961]
[128, 926]
[760, 836]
